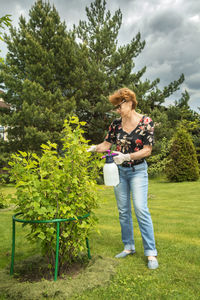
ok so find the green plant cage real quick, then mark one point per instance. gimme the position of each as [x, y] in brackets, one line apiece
[57, 221]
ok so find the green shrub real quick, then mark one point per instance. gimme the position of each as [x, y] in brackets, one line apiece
[4, 176]
[158, 161]
[3, 201]
[182, 162]
[54, 186]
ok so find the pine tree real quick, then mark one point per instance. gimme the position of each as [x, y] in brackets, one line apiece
[38, 78]
[107, 67]
[5, 21]
[183, 163]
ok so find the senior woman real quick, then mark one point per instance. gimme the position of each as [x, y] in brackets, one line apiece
[132, 134]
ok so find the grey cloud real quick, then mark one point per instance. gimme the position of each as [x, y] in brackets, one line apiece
[165, 22]
[172, 47]
[192, 7]
[9, 6]
[194, 81]
[171, 31]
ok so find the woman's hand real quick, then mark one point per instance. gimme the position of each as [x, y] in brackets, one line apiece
[120, 158]
[92, 148]
[103, 147]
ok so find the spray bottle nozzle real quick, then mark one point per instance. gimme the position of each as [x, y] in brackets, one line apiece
[109, 154]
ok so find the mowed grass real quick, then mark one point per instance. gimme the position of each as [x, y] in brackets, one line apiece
[24, 248]
[175, 210]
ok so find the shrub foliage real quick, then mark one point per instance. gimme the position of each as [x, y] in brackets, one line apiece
[182, 164]
[158, 161]
[3, 201]
[58, 186]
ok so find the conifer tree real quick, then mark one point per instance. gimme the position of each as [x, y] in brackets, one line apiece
[108, 67]
[183, 163]
[38, 77]
[105, 68]
[5, 21]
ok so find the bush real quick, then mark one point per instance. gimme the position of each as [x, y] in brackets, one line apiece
[157, 162]
[54, 186]
[3, 201]
[4, 176]
[182, 162]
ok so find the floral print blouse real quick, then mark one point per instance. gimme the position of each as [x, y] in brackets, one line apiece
[134, 141]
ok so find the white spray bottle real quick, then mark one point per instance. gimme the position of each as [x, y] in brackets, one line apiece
[110, 170]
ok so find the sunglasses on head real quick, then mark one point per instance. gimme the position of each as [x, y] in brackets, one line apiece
[119, 105]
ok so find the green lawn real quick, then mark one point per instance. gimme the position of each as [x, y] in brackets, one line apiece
[175, 212]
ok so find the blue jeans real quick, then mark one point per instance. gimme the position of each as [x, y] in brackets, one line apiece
[135, 182]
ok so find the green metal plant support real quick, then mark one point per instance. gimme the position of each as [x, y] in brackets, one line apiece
[57, 221]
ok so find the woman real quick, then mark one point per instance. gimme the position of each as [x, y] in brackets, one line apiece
[133, 136]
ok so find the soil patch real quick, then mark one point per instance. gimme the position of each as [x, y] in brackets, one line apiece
[35, 268]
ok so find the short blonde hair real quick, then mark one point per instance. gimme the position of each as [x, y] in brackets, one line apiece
[124, 93]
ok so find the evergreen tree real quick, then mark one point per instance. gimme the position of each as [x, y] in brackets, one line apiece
[108, 67]
[183, 163]
[5, 21]
[181, 113]
[151, 96]
[180, 110]
[105, 67]
[38, 77]
[167, 119]
[183, 101]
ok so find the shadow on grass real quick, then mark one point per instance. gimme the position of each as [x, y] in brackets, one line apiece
[35, 268]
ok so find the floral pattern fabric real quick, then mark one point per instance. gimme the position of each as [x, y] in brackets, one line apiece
[134, 141]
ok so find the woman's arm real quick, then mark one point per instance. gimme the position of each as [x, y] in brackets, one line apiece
[145, 152]
[103, 147]
[100, 147]
[120, 158]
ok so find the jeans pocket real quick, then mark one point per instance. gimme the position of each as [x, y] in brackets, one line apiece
[140, 167]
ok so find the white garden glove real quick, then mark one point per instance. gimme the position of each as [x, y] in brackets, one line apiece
[92, 148]
[120, 158]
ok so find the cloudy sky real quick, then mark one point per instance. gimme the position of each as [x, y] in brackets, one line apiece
[171, 29]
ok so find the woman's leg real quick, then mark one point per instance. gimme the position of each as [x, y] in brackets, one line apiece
[139, 189]
[122, 194]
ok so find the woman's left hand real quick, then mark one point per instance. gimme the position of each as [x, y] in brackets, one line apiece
[120, 158]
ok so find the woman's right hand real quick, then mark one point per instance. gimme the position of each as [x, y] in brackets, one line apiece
[103, 147]
[92, 148]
